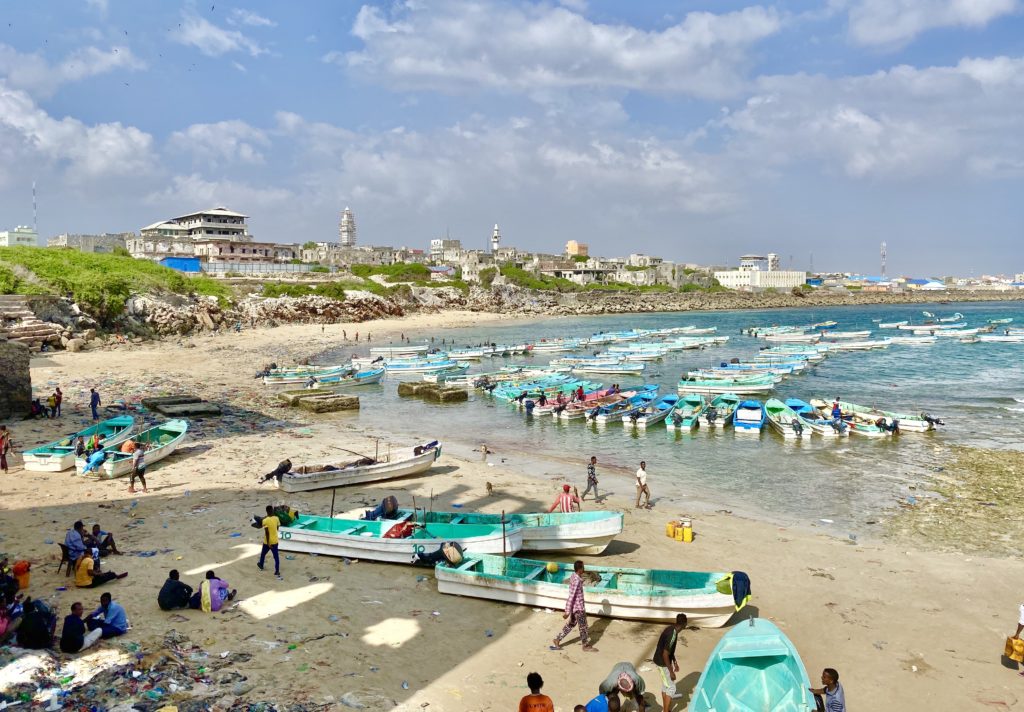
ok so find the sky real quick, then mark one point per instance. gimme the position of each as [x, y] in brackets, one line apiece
[693, 131]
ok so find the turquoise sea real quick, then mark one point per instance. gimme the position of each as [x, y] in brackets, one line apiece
[977, 389]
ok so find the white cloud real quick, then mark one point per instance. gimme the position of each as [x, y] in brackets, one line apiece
[101, 6]
[224, 141]
[245, 17]
[463, 45]
[85, 152]
[214, 41]
[904, 122]
[33, 73]
[187, 192]
[896, 22]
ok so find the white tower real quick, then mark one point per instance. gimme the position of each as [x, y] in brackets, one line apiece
[883, 260]
[347, 229]
[495, 239]
[773, 262]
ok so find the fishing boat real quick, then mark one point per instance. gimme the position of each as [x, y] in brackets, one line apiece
[949, 333]
[1006, 320]
[912, 340]
[753, 667]
[399, 351]
[784, 420]
[652, 413]
[629, 594]
[360, 378]
[863, 345]
[931, 327]
[424, 366]
[994, 339]
[466, 354]
[860, 424]
[956, 317]
[749, 417]
[444, 376]
[161, 441]
[565, 532]
[60, 454]
[622, 409]
[288, 377]
[557, 345]
[794, 337]
[397, 541]
[813, 420]
[846, 334]
[721, 409]
[823, 325]
[892, 324]
[402, 462]
[741, 386]
[920, 423]
[623, 369]
[577, 410]
[686, 414]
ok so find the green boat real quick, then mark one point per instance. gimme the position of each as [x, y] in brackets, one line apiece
[60, 454]
[160, 440]
[686, 414]
[753, 667]
[565, 532]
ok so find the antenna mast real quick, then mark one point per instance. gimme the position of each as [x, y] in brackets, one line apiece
[883, 260]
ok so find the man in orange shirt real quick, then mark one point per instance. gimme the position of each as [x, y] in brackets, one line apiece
[535, 702]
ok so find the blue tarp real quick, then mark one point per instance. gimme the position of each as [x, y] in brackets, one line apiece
[182, 264]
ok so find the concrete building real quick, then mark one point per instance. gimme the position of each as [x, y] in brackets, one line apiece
[1018, 277]
[105, 243]
[222, 249]
[577, 249]
[347, 229]
[177, 236]
[216, 222]
[752, 280]
[637, 260]
[446, 250]
[21, 236]
[441, 273]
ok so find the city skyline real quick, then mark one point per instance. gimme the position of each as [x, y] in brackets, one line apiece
[692, 132]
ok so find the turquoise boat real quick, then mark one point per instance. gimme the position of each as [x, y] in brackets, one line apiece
[60, 454]
[564, 532]
[161, 441]
[753, 667]
[686, 414]
[720, 410]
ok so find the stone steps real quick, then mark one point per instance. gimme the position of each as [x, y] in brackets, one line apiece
[19, 324]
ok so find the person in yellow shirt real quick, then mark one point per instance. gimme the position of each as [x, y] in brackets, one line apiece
[270, 525]
[88, 575]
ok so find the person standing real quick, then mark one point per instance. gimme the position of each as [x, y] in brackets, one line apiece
[565, 501]
[591, 479]
[51, 405]
[76, 637]
[665, 659]
[641, 486]
[138, 467]
[575, 611]
[109, 618]
[535, 701]
[6, 443]
[270, 525]
[94, 403]
[831, 690]
[59, 397]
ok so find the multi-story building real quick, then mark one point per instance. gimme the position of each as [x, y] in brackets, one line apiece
[179, 236]
[446, 250]
[21, 236]
[577, 249]
[752, 280]
[105, 243]
[222, 249]
[347, 229]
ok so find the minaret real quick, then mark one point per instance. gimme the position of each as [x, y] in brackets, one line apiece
[347, 229]
[495, 239]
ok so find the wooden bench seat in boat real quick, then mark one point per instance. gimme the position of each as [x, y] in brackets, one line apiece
[534, 574]
[608, 582]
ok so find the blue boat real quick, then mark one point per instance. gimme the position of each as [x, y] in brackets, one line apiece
[652, 413]
[749, 417]
[753, 667]
[624, 408]
[811, 418]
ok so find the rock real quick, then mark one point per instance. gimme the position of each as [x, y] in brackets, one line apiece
[87, 334]
[15, 379]
[329, 403]
[414, 388]
[75, 345]
[446, 395]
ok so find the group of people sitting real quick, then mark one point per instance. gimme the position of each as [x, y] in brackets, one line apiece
[213, 593]
[84, 552]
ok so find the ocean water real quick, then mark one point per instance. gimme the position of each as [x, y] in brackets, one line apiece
[977, 389]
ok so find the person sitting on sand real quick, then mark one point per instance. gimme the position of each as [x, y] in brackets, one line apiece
[109, 618]
[174, 593]
[625, 679]
[88, 574]
[104, 541]
[831, 690]
[535, 701]
[75, 637]
[213, 593]
[37, 625]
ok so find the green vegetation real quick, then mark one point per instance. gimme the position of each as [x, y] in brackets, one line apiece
[487, 275]
[309, 245]
[319, 268]
[331, 290]
[101, 283]
[631, 268]
[528, 280]
[398, 272]
[580, 258]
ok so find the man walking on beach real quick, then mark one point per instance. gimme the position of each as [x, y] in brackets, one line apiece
[6, 443]
[94, 403]
[575, 611]
[591, 479]
[270, 524]
[641, 486]
[665, 659]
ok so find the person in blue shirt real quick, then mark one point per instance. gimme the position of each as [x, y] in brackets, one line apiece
[114, 621]
[604, 703]
[94, 403]
[75, 542]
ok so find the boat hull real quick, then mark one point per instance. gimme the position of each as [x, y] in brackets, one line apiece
[55, 457]
[119, 464]
[379, 472]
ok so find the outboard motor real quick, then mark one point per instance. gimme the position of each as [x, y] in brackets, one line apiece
[529, 407]
[839, 425]
[930, 420]
[712, 415]
[798, 427]
[677, 419]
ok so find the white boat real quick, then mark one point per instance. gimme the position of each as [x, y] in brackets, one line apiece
[952, 333]
[60, 455]
[161, 441]
[912, 340]
[399, 351]
[610, 368]
[863, 345]
[931, 327]
[784, 420]
[400, 367]
[1001, 338]
[956, 317]
[846, 334]
[466, 354]
[892, 324]
[794, 337]
[403, 462]
[397, 541]
[628, 594]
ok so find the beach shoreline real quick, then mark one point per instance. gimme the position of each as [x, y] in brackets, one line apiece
[906, 625]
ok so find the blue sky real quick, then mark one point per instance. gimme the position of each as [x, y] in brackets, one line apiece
[697, 131]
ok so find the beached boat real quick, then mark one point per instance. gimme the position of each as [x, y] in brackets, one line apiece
[578, 409]
[754, 667]
[288, 377]
[399, 350]
[813, 420]
[749, 417]
[402, 462]
[920, 423]
[565, 532]
[652, 413]
[629, 594]
[161, 441]
[60, 454]
[686, 414]
[623, 409]
[393, 540]
[784, 420]
[720, 410]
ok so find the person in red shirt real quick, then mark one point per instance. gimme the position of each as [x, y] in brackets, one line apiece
[535, 702]
[565, 501]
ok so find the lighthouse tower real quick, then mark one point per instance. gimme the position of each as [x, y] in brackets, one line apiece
[495, 239]
[347, 229]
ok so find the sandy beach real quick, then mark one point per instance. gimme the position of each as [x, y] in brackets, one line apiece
[907, 627]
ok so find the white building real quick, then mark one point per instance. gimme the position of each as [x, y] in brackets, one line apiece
[21, 236]
[347, 229]
[751, 280]
[177, 236]
[446, 250]
[495, 239]
[1018, 277]
[105, 243]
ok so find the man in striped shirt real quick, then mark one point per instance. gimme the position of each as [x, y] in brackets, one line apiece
[575, 611]
[591, 479]
[565, 501]
[831, 690]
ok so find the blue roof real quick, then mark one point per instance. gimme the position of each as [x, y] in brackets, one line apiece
[919, 281]
[441, 268]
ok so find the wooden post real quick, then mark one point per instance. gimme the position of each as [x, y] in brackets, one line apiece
[334, 491]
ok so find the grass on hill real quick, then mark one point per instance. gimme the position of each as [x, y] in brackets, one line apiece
[99, 282]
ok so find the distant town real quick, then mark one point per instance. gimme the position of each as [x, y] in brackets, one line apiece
[218, 242]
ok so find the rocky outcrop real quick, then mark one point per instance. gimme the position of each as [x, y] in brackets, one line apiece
[15, 379]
